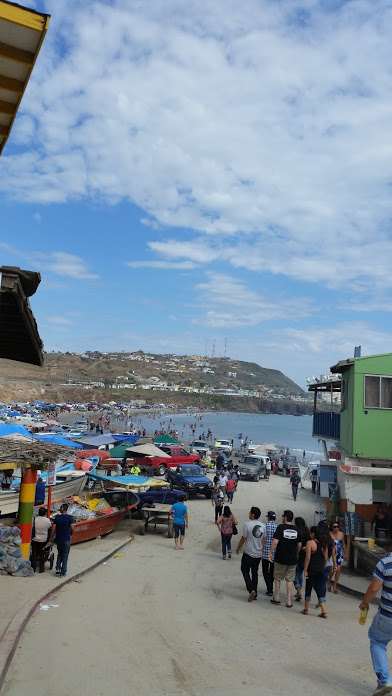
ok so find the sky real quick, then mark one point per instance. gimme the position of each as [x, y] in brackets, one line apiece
[198, 173]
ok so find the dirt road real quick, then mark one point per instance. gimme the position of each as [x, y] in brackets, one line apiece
[176, 623]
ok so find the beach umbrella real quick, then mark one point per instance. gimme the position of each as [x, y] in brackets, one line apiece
[101, 454]
[119, 451]
[146, 451]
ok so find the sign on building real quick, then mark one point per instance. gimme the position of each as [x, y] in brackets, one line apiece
[351, 523]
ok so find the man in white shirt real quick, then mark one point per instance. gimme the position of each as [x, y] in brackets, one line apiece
[252, 541]
[223, 482]
[41, 526]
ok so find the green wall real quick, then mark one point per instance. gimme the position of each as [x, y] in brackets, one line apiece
[366, 432]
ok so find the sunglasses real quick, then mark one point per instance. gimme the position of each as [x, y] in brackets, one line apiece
[335, 526]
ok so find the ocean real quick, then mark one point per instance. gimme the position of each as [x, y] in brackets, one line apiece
[294, 432]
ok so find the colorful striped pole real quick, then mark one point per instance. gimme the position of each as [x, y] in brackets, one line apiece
[25, 512]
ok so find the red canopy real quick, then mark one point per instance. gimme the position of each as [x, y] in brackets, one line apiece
[86, 454]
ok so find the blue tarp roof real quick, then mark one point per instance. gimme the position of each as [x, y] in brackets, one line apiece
[57, 440]
[130, 438]
[129, 480]
[9, 428]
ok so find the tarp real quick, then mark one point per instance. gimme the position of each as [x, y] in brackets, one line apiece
[132, 439]
[131, 481]
[147, 451]
[57, 440]
[94, 442]
[9, 428]
[166, 440]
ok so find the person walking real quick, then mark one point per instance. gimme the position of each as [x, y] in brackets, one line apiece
[252, 535]
[230, 488]
[41, 527]
[287, 543]
[268, 467]
[380, 631]
[313, 480]
[63, 528]
[304, 536]
[217, 498]
[225, 525]
[180, 514]
[223, 482]
[316, 557]
[39, 498]
[341, 555]
[266, 564]
[295, 481]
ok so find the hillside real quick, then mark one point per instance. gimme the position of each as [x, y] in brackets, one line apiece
[94, 374]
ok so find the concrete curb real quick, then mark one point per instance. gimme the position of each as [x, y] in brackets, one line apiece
[11, 637]
[356, 593]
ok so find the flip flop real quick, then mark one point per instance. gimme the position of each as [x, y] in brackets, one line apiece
[298, 599]
[274, 601]
[289, 606]
[323, 615]
[336, 591]
[304, 611]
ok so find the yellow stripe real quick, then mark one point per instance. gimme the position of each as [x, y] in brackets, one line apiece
[25, 549]
[23, 16]
[27, 493]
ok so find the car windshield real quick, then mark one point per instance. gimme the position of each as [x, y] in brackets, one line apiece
[191, 471]
[199, 443]
[222, 442]
[250, 460]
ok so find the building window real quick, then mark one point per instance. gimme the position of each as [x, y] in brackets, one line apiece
[378, 391]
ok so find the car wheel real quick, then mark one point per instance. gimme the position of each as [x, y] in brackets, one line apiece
[161, 470]
[197, 463]
[170, 531]
[208, 495]
[256, 478]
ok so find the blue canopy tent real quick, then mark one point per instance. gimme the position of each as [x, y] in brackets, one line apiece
[57, 440]
[97, 441]
[126, 481]
[9, 428]
[132, 439]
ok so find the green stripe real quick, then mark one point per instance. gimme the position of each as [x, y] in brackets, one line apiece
[25, 513]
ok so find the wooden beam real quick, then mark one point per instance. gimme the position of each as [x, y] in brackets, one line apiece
[3, 130]
[23, 16]
[17, 54]
[7, 107]
[10, 84]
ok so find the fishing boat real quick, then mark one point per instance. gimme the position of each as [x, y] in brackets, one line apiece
[85, 530]
[68, 482]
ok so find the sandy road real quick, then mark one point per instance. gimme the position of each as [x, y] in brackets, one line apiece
[163, 622]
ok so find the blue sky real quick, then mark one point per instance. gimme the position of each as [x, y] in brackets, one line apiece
[179, 174]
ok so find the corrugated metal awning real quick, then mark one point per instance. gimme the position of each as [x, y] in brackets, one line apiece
[22, 32]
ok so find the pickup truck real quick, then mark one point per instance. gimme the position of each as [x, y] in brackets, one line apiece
[253, 466]
[224, 446]
[286, 462]
[190, 479]
[177, 455]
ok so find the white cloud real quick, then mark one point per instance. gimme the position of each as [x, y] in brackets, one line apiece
[230, 304]
[59, 320]
[37, 217]
[58, 262]
[270, 122]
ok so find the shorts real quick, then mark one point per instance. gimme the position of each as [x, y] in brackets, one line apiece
[284, 572]
[179, 529]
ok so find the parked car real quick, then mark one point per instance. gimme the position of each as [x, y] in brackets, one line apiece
[200, 447]
[286, 463]
[190, 479]
[252, 466]
[224, 446]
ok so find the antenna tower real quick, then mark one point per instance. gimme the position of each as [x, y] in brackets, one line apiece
[213, 349]
[225, 353]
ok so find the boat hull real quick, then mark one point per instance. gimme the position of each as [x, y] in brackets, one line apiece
[9, 500]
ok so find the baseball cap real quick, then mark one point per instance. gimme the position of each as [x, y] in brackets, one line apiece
[271, 513]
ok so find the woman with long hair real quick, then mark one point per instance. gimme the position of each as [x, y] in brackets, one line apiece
[225, 525]
[303, 536]
[341, 555]
[316, 556]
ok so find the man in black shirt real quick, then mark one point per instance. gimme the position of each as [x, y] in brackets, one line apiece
[287, 543]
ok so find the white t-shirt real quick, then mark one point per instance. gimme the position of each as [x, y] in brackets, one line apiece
[222, 480]
[253, 531]
[42, 526]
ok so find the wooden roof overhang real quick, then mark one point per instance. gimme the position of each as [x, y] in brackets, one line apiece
[19, 337]
[22, 32]
[326, 387]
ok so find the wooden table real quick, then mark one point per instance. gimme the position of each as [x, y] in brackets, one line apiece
[159, 514]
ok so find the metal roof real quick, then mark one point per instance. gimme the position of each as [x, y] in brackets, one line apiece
[19, 337]
[22, 32]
